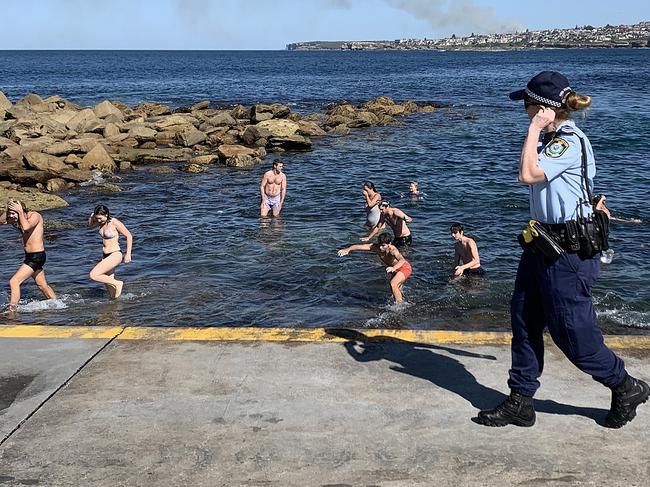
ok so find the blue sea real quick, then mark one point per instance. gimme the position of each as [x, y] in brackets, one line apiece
[203, 257]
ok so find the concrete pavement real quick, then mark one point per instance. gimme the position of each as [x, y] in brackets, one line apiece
[340, 408]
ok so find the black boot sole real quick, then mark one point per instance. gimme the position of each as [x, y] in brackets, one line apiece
[499, 424]
[642, 400]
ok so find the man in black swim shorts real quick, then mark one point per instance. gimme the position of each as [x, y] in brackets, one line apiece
[30, 225]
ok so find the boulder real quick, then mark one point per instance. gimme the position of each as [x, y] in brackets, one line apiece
[106, 108]
[203, 160]
[5, 104]
[428, 108]
[85, 143]
[125, 166]
[222, 119]
[364, 119]
[27, 177]
[5, 142]
[279, 128]
[341, 129]
[191, 137]
[164, 123]
[396, 110]
[254, 133]
[98, 158]
[147, 145]
[152, 109]
[292, 142]
[343, 110]
[227, 151]
[63, 116]
[85, 121]
[30, 99]
[335, 120]
[78, 175]
[56, 184]
[34, 200]
[14, 152]
[260, 112]
[18, 112]
[310, 129]
[44, 162]
[37, 144]
[62, 148]
[72, 160]
[144, 156]
[200, 105]
[240, 112]
[141, 133]
[193, 168]
[242, 160]
[111, 130]
[6, 125]
[162, 170]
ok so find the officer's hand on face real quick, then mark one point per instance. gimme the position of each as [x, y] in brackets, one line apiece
[543, 118]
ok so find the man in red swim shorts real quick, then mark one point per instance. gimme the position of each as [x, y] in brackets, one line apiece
[388, 253]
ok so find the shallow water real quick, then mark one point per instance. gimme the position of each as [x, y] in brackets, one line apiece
[202, 256]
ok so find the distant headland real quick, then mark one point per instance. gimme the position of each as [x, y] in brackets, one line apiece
[609, 36]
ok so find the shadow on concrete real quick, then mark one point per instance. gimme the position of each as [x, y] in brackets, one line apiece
[420, 360]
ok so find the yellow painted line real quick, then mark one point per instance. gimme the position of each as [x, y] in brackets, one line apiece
[44, 331]
[331, 335]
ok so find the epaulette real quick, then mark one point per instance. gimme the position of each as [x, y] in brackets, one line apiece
[565, 130]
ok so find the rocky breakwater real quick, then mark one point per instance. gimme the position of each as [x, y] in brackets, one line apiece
[51, 145]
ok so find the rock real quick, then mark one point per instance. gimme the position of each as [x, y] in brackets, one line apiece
[227, 151]
[254, 133]
[204, 160]
[106, 108]
[240, 112]
[152, 109]
[111, 130]
[85, 121]
[44, 162]
[162, 170]
[5, 142]
[78, 175]
[27, 177]
[6, 125]
[60, 149]
[364, 119]
[98, 158]
[188, 138]
[335, 120]
[396, 110]
[34, 200]
[341, 129]
[200, 105]
[428, 108]
[84, 144]
[310, 129]
[36, 144]
[193, 168]
[63, 116]
[261, 112]
[14, 152]
[72, 160]
[30, 99]
[279, 128]
[56, 184]
[292, 142]
[148, 145]
[242, 160]
[343, 110]
[5, 104]
[125, 166]
[142, 133]
[165, 123]
[222, 119]
[410, 107]
[143, 156]
[106, 188]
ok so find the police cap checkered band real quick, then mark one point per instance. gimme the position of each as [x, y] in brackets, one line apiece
[547, 88]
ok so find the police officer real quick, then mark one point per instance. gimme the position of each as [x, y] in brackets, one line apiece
[556, 293]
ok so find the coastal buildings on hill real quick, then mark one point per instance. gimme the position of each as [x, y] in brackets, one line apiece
[636, 35]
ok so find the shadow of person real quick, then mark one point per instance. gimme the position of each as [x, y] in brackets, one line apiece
[420, 360]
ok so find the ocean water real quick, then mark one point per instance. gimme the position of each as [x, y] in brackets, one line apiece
[202, 256]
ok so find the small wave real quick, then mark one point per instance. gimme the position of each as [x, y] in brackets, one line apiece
[624, 317]
[97, 179]
[35, 306]
[627, 220]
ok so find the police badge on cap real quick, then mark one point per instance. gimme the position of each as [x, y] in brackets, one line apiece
[548, 88]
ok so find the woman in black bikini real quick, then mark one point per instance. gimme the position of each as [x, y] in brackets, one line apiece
[110, 230]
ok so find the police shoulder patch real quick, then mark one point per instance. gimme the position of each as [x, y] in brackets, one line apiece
[556, 147]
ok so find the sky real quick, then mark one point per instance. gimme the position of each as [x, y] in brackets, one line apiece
[271, 24]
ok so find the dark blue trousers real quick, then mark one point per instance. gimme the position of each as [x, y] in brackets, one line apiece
[557, 296]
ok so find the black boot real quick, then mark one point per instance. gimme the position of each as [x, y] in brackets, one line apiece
[516, 409]
[625, 399]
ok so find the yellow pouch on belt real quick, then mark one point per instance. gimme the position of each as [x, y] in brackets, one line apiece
[536, 235]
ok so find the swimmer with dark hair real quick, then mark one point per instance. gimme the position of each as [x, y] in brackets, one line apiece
[110, 230]
[398, 266]
[30, 225]
[466, 259]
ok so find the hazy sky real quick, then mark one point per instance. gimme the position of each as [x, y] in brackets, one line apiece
[270, 24]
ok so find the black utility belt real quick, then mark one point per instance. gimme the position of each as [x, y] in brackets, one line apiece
[584, 236]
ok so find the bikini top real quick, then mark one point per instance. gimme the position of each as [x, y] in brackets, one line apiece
[108, 234]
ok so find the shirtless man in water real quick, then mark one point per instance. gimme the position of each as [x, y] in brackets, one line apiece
[466, 259]
[397, 265]
[397, 220]
[273, 189]
[30, 225]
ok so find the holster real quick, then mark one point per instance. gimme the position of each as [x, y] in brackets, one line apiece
[536, 237]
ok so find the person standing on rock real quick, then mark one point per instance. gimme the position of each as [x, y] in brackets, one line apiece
[110, 230]
[560, 260]
[30, 225]
[273, 189]
[397, 220]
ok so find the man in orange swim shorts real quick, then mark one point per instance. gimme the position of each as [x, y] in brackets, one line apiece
[388, 253]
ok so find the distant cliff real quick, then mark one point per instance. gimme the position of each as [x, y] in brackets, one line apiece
[637, 35]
